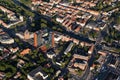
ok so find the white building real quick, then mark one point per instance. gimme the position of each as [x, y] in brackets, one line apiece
[69, 48]
[51, 55]
[6, 39]
[57, 37]
[60, 20]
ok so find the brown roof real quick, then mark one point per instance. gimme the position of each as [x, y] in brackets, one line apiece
[102, 53]
[90, 51]
[43, 48]
[80, 65]
[25, 51]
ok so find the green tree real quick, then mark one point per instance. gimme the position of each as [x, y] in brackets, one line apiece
[43, 25]
[117, 19]
[43, 21]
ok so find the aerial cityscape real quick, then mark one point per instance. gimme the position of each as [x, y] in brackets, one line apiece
[59, 39]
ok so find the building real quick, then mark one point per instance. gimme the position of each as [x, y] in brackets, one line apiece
[25, 51]
[36, 2]
[101, 59]
[6, 39]
[50, 54]
[102, 53]
[37, 74]
[13, 50]
[59, 19]
[57, 37]
[117, 27]
[76, 56]
[20, 63]
[90, 51]
[11, 15]
[53, 40]
[18, 74]
[1, 48]
[60, 78]
[91, 25]
[69, 48]
[20, 35]
[84, 44]
[57, 73]
[66, 38]
[4, 24]
[43, 48]
[5, 10]
[80, 65]
[100, 25]
[26, 34]
[76, 41]
[2, 75]
[118, 78]
[37, 38]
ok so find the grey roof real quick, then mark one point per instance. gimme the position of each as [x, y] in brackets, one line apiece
[33, 73]
[91, 24]
[30, 41]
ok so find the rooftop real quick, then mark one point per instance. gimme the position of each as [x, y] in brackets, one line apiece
[37, 74]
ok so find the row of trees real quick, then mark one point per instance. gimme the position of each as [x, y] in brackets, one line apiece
[43, 24]
[18, 9]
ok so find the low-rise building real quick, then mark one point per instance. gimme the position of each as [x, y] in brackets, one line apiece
[25, 35]
[50, 54]
[91, 25]
[13, 50]
[101, 59]
[6, 39]
[59, 19]
[76, 56]
[43, 48]
[25, 51]
[84, 44]
[18, 74]
[90, 51]
[117, 27]
[95, 25]
[37, 74]
[102, 53]
[80, 65]
[57, 37]
[2, 75]
[20, 63]
[11, 15]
